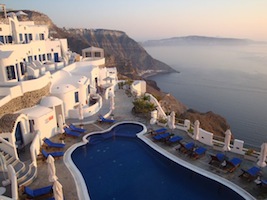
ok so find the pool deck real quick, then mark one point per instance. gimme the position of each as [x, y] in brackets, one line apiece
[122, 112]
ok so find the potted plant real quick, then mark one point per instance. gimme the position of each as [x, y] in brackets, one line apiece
[162, 121]
[250, 155]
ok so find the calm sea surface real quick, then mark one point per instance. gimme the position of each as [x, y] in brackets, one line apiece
[228, 80]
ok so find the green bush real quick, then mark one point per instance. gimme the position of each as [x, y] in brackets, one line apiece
[143, 105]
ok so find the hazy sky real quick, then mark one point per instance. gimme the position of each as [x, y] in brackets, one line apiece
[157, 19]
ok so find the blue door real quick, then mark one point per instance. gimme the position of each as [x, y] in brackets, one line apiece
[56, 57]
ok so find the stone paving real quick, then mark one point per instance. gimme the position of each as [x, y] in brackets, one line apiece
[122, 112]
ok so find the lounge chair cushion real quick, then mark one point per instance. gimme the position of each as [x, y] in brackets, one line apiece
[253, 171]
[162, 136]
[54, 154]
[220, 156]
[70, 132]
[189, 145]
[81, 130]
[53, 144]
[175, 139]
[235, 161]
[160, 130]
[200, 150]
[39, 191]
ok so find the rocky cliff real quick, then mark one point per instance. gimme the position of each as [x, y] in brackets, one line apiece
[121, 51]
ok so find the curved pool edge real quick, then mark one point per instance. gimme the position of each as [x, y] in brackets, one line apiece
[210, 175]
[83, 193]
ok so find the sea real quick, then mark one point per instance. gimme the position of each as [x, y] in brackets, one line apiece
[229, 80]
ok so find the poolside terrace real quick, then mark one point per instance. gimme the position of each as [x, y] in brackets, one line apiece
[122, 112]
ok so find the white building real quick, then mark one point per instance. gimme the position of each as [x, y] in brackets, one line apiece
[24, 47]
[30, 61]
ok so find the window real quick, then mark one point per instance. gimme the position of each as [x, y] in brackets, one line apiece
[76, 96]
[49, 56]
[10, 70]
[2, 39]
[10, 40]
[88, 54]
[29, 58]
[97, 54]
[40, 58]
[30, 37]
[35, 57]
[41, 36]
[43, 57]
[22, 68]
[20, 37]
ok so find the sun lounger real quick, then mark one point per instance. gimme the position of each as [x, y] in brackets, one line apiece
[48, 190]
[174, 139]
[163, 136]
[71, 133]
[233, 164]
[77, 129]
[103, 119]
[198, 152]
[158, 131]
[54, 154]
[49, 143]
[217, 159]
[186, 148]
[251, 173]
[263, 183]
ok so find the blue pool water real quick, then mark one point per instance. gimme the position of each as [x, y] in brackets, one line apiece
[119, 168]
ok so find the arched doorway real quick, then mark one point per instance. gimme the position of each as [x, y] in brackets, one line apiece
[18, 135]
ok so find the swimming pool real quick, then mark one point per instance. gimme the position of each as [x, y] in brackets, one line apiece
[119, 167]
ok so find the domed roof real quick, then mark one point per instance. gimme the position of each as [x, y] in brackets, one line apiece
[50, 101]
[62, 88]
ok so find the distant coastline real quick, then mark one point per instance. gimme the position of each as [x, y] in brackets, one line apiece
[199, 40]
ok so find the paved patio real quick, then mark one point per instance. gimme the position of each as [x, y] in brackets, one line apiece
[122, 112]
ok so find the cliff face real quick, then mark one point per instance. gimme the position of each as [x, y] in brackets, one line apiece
[121, 51]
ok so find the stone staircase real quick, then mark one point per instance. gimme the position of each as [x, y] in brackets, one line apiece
[26, 172]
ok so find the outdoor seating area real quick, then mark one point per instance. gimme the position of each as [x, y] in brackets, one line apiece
[217, 159]
[233, 164]
[187, 147]
[251, 174]
[211, 159]
[198, 152]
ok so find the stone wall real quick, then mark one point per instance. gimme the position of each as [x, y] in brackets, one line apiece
[29, 99]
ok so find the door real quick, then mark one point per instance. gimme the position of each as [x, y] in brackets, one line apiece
[18, 135]
[56, 57]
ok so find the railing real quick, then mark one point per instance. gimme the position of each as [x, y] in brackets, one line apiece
[250, 152]
[8, 148]
[161, 112]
